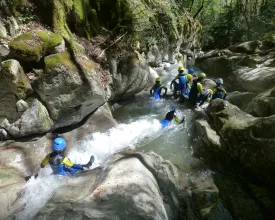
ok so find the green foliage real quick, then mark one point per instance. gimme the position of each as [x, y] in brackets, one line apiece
[233, 21]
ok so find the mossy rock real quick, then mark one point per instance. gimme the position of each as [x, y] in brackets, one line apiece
[55, 60]
[32, 46]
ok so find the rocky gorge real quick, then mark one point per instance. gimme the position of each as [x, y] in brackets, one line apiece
[72, 69]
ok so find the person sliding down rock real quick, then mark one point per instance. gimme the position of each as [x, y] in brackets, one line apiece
[156, 89]
[60, 164]
[219, 91]
[170, 116]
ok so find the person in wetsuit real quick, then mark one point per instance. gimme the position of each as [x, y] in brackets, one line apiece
[174, 82]
[219, 91]
[156, 89]
[60, 164]
[171, 115]
[196, 92]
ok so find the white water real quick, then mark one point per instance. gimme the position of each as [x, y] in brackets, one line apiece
[102, 145]
[138, 128]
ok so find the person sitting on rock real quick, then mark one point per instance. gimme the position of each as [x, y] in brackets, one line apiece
[60, 164]
[174, 82]
[170, 116]
[219, 91]
[156, 89]
[207, 95]
[196, 92]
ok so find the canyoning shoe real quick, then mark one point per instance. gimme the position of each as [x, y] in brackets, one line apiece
[92, 159]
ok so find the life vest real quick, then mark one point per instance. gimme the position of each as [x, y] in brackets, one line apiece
[219, 93]
[157, 91]
[182, 80]
[58, 167]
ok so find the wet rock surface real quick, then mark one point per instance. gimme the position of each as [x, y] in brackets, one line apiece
[133, 186]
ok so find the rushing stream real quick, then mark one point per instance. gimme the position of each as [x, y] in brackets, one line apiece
[138, 128]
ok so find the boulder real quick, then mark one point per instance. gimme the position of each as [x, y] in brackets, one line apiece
[219, 66]
[15, 78]
[262, 105]
[246, 139]
[131, 78]
[3, 31]
[208, 84]
[10, 187]
[154, 56]
[14, 85]
[152, 77]
[32, 46]
[255, 80]
[13, 27]
[69, 93]
[247, 47]
[207, 200]
[130, 186]
[240, 99]
[35, 120]
[4, 51]
[22, 105]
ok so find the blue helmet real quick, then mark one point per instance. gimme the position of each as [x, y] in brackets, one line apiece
[172, 107]
[219, 81]
[191, 71]
[59, 144]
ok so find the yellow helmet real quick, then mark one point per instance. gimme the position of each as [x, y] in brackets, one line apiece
[181, 68]
[189, 77]
[157, 79]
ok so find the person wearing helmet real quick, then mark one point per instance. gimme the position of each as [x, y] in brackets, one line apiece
[60, 164]
[184, 86]
[174, 83]
[219, 91]
[196, 92]
[191, 71]
[171, 115]
[207, 95]
[156, 89]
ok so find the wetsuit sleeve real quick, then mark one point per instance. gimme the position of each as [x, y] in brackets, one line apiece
[45, 161]
[176, 119]
[68, 163]
[224, 97]
[199, 87]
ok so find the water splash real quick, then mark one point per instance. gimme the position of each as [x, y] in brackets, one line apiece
[102, 145]
[37, 192]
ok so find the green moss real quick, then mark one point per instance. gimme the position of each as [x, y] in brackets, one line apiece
[49, 39]
[6, 64]
[59, 59]
[79, 10]
[27, 47]
[59, 20]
